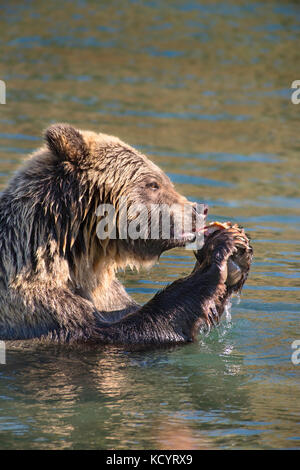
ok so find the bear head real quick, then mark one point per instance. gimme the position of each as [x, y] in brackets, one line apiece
[120, 199]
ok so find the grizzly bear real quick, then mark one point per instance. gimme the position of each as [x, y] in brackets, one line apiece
[58, 277]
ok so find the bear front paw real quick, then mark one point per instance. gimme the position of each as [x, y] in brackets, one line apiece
[228, 247]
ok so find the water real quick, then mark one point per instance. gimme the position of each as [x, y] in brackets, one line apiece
[203, 89]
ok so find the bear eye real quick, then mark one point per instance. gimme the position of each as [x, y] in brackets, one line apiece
[153, 185]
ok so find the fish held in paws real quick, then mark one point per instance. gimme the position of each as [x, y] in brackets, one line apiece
[234, 264]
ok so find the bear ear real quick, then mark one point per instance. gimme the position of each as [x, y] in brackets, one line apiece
[66, 142]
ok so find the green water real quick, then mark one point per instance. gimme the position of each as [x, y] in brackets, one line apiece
[204, 89]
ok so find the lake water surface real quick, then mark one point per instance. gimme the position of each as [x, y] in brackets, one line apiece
[203, 88]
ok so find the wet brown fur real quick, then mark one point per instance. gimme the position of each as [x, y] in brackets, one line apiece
[57, 279]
